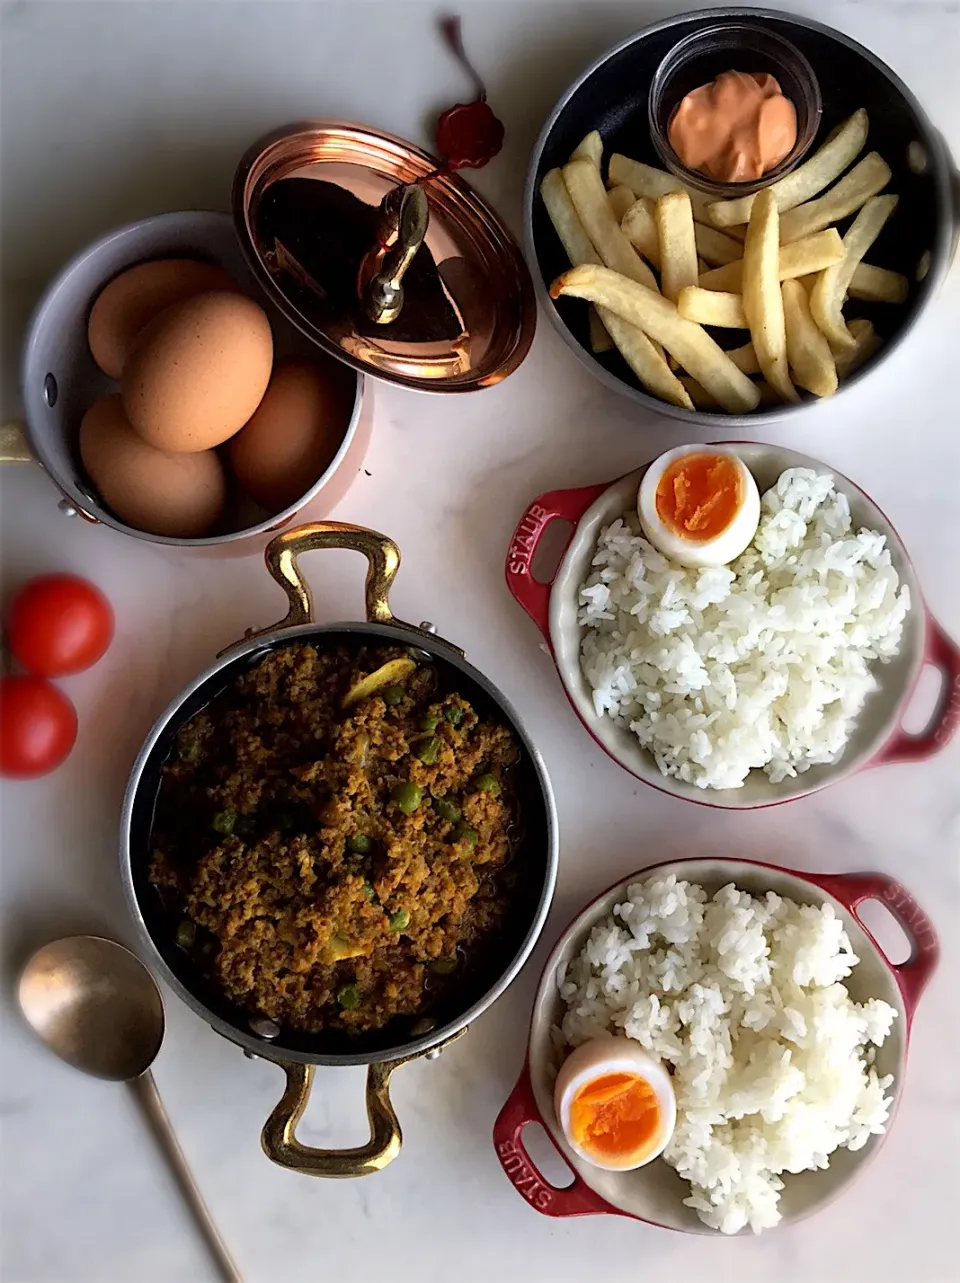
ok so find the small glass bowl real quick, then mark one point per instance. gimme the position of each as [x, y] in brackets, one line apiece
[732, 46]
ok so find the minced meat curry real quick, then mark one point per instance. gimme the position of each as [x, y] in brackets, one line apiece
[330, 831]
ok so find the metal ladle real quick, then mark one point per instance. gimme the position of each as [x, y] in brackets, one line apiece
[97, 1007]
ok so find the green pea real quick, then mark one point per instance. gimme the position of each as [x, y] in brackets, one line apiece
[463, 833]
[188, 749]
[368, 892]
[454, 714]
[392, 695]
[359, 844]
[487, 784]
[446, 809]
[349, 997]
[224, 821]
[399, 920]
[430, 722]
[429, 751]
[443, 966]
[186, 934]
[407, 796]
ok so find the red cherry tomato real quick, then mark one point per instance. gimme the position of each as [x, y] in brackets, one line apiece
[38, 726]
[59, 624]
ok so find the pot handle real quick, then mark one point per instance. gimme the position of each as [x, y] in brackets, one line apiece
[520, 1109]
[383, 561]
[852, 889]
[944, 655]
[566, 505]
[281, 555]
[281, 1146]
[14, 447]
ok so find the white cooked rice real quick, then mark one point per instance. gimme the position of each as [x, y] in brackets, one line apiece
[743, 995]
[763, 663]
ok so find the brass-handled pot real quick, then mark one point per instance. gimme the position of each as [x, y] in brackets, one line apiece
[383, 1051]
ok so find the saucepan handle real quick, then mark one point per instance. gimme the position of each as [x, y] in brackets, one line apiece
[14, 446]
[281, 1146]
[942, 654]
[577, 1199]
[282, 557]
[532, 594]
[852, 889]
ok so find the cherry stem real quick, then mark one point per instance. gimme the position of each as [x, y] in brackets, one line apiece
[450, 26]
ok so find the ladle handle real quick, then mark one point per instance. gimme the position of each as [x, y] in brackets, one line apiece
[147, 1097]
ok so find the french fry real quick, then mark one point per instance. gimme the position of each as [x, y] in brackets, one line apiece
[702, 399]
[639, 225]
[728, 279]
[878, 285]
[762, 303]
[830, 291]
[710, 307]
[867, 178]
[620, 198]
[642, 356]
[715, 247]
[646, 180]
[692, 346]
[867, 343]
[811, 361]
[745, 358]
[600, 340]
[824, 166]
[678, 249]
[699, 395]
[589, 198]
[591, 148]
[566, 220]
[812, 254]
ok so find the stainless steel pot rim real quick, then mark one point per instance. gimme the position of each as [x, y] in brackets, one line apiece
[947, 224]
[395, 633]
[68, 485]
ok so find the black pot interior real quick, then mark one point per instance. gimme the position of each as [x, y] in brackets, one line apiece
[613, 99]
[529, 864]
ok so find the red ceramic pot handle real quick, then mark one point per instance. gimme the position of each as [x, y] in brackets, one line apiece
[944, 722]
[577, 1199]
[566, 505]
[851, 889]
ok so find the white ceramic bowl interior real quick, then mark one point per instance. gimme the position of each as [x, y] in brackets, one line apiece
[879, 717]
[655, 1193]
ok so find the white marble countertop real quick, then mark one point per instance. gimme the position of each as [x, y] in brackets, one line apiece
[111, 111]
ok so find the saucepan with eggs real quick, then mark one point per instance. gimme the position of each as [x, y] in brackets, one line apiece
[197, 378]
[168, 399]
[736, 624]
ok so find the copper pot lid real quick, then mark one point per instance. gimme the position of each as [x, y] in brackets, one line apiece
[384, 258]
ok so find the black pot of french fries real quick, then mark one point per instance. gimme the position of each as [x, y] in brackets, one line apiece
[749, 306]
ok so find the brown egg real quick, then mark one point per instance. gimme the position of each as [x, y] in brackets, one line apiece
[181, 495]
[198, 372]
[132, 299]
[297, 429]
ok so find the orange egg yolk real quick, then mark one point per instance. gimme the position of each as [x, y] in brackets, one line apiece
[616, 1116]
[699, 495]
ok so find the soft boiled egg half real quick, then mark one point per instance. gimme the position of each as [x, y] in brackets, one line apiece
[699, 505]
[615, 1104]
